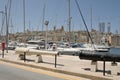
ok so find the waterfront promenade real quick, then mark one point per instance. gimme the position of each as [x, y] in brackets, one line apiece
[66, 64]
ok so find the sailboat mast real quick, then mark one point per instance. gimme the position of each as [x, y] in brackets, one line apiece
[6, 29]
[43, 17]
[69, 20]
[24, 18]
[7, 24]
[91, 18]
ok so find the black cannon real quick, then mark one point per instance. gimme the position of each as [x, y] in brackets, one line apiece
[98, 56]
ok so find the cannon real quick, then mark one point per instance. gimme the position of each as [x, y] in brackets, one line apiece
[98, 56]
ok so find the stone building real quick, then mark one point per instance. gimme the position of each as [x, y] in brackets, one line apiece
[56, 35]
[115, 40]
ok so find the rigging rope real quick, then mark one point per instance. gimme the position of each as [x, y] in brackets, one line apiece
[84, 23]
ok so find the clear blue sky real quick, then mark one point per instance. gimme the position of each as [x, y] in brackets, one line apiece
[57, 13]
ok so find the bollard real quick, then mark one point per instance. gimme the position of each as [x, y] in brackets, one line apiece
[93, 66]
[114, 68]
[38, 59]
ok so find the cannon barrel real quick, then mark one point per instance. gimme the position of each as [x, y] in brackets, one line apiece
[99, 56]
[34, 52]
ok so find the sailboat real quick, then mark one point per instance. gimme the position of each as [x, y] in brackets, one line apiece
[92, 46]
[65, 47]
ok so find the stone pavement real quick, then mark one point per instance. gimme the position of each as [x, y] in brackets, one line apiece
[66, 64]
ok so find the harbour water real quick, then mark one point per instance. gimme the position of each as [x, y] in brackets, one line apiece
[112, 52]
[115, 51]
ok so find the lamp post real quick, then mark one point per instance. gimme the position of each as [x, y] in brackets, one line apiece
[46, 23]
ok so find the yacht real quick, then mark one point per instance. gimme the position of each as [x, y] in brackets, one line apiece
[33, 44]
[98, 48]
[65, 49]
[36, 44]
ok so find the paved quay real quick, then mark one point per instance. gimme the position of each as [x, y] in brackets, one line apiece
[70, 65]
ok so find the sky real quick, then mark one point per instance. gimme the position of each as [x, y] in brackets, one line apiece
[56, 12]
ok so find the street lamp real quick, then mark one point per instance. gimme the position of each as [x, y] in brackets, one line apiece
[46, 23]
